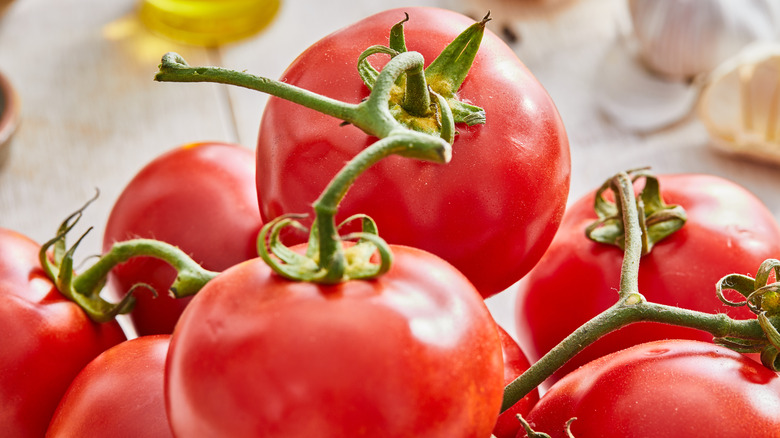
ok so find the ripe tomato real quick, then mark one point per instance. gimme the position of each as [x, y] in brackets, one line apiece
[491, 212]
[664, 389]
[45, 339]
[728, 231]
[414, 352]
[119, 394]
[515, 363]
[200, 197]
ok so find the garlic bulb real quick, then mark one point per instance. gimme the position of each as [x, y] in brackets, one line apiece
[740, 103]
[683, 38]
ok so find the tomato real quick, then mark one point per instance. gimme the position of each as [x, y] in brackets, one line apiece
[414, 352]
[664, 389]
[491, 212]
[119, 394]
[200, 197]
[728, 231]
[515, 363]
[46, 339]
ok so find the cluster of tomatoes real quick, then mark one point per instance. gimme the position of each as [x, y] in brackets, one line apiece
[414, 352]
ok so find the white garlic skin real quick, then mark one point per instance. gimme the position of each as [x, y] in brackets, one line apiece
[739, 103]
[684, 38]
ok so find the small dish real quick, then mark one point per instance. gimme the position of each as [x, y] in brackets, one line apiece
[9, 116]
[4, 4]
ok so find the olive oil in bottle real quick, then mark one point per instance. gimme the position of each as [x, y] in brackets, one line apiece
[207, 22]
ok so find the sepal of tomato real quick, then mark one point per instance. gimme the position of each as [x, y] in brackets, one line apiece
[200, 197]
[413, 352]
[444, 75]
[491, 212]
[728, 230]
[45, 339]
[657, 219]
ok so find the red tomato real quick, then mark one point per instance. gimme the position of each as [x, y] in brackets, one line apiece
[671, 388]
[200, 197]
[515, 363]
[491, 211]
[414, 352]
[728, 231]
[119, 394]
[45, 340]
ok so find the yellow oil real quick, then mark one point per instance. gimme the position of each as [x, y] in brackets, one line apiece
[207, 22]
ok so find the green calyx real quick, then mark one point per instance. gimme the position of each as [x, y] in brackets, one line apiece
[84, 289]
[327, 259]
[410, 102]
[57, 261]
[353, 262]
[763, 299]
[412, 96]
[657, 220]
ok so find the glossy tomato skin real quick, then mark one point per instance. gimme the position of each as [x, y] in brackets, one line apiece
[728, 231]
[412, 353]
[664, 388]
[45, 340]
[491, 211]
[515, 364]
[200, 197]
[119, 394]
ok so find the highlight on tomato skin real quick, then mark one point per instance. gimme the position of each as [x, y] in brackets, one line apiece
[46, 339]
[662, 389]
[491, 212]
[200, 197]
[728, 230]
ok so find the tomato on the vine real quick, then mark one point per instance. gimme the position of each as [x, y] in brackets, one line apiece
[491, 212]
[200, 197]
[45, 339]
[728, 230]
[413, 352]
[663, 389]
[119, 394]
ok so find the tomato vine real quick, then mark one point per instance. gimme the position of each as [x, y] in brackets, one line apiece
[744, 335]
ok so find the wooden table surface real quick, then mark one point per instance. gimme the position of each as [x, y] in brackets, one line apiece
[92, 116]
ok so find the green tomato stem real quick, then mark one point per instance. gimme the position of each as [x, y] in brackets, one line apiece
[173, 68]
[190, 278]
[371, 116]
[417, 99]
[630, 308]
[632, 253]
[403, 142]
[84, 289]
